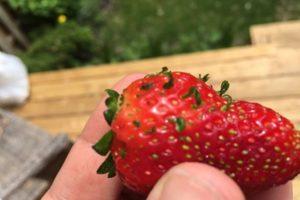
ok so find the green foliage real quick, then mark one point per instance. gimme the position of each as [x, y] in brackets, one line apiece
[148, 28]
[118, 30]
[42, 7]
[68, 45]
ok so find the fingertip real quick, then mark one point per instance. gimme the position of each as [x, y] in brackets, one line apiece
[195, 181]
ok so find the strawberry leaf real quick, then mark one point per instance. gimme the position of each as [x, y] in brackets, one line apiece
[102, 147]
[108, 167]
[112, 104]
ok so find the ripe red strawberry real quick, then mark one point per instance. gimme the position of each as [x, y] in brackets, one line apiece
[258, 147]
[170, 118]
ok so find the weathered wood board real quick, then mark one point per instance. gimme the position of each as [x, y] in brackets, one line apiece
[285, 34]
[24, 150]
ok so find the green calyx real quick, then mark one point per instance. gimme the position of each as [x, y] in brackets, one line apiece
[224, 87]
[180, 124]
[229, 101]
[205, 78]
[108, 167]
[165, 71]
[193, 92]
[112, 105]
[102, 147]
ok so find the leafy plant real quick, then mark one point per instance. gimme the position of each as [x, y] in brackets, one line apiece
[68, 45]
[43, 7]
[153, 28]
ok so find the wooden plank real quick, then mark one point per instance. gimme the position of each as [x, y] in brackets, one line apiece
[31, 189]
[284, 34]
[72, 89]
[279, 86]
[151, 65]
[11, 25]
[286, 57]
[283, 62]
[24, 150]
[253, 76]
[63, 106]
[70, 124]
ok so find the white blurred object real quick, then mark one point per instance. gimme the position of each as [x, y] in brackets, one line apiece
[14, 86]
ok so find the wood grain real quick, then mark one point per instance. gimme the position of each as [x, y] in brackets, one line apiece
[283, 34]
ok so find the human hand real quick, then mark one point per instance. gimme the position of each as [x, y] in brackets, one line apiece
[77, 178]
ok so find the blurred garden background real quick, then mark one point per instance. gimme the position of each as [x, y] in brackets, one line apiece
[72, 33]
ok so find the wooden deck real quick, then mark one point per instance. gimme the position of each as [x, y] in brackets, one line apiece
[267, 72]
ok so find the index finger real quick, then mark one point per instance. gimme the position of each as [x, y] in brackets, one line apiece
[77, 178]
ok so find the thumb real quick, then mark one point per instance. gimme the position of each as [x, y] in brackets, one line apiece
[195, 181]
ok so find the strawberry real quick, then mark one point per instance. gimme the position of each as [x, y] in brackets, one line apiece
[257, 147]
[174, 117]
